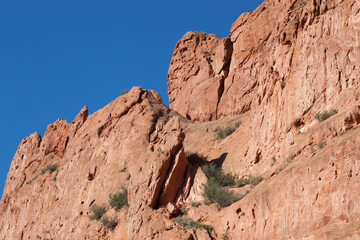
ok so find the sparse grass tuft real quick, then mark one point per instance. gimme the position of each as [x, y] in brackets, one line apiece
[31, 180]
[223, 133]
[50, 168]
[98, 212]
[109, 223]
[250, 180]
[225, 236]
[189, 223]
[119, 200]
[326, 115]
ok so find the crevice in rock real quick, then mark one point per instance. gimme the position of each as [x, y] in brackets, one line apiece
[220, 93]
[258, 156]
[91, 175]
[195, 162]
[66, 142]
[228, 57]
[174, 175]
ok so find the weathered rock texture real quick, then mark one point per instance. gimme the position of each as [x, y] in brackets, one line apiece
[134, 142]
[287, 57]
[281, 65]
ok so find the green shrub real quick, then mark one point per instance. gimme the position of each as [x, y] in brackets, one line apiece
[256, 180]
[223, 133]
[31, 180]
[50, 168]
[217, 175]
[209, 228]
[242, 182]
[323, 116]
[119, 200]
[225, 236]
[185, 222]
[215, 193]
[250, 180]
[109, 223]
[189, 223]
[97, 212]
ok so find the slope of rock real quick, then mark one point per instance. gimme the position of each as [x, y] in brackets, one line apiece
[135, 135]
[281, 66]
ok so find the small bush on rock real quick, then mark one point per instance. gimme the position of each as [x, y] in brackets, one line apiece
[189, 223]
[323, 116]
[50, 168]
[109, 223]
[217, 175]
[215, 193]
[250, 180]
[119, 200]
[223, 133]
[97, 212]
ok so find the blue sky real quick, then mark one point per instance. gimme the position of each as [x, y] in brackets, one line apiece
[58, 56]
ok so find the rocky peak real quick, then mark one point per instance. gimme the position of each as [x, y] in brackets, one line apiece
[280, 47]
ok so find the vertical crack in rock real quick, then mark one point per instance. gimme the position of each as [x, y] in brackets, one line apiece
[174, 178]
[228, 49]
[220, 93]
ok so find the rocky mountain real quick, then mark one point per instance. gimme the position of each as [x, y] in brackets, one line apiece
[260, 142]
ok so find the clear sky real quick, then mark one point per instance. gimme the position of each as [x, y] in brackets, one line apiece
[58, 56]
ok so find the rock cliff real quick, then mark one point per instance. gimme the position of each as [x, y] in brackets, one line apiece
[282, 88]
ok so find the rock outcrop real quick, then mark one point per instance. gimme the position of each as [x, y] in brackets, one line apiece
[268, 84]
[287, 57]
[135, 135]
[281, 66]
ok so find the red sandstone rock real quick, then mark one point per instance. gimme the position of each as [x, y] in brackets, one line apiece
[281, 65]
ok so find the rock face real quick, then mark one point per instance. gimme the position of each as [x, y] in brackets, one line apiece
[281, 66]
[287, 59]
[196, 75]
[135, 135]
